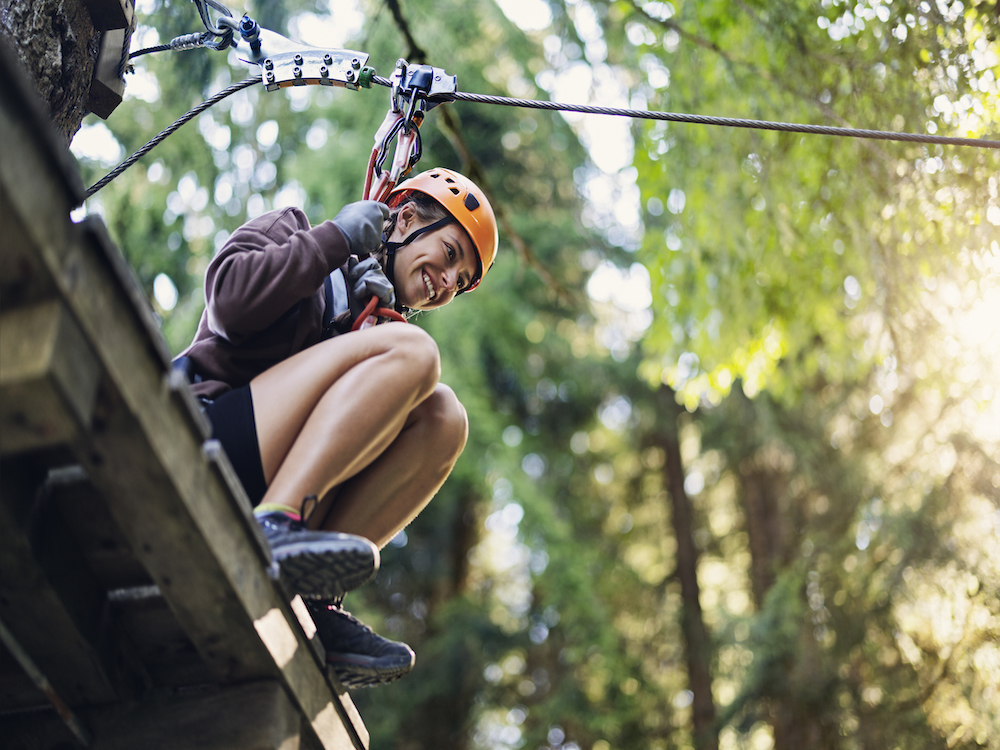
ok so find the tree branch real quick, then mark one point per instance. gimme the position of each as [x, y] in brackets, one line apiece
[414, 53]
[473, 169]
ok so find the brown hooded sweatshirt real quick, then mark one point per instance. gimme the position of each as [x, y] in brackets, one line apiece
[264, 298]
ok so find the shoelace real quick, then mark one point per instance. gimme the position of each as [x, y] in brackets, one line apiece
[304, 516]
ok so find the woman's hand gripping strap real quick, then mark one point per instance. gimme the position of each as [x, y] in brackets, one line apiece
[367, 281]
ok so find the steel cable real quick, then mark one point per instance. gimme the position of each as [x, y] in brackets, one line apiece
[731, 122]
[230, 90]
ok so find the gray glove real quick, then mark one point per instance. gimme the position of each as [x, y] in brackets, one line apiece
[366, 278]
[361, 224]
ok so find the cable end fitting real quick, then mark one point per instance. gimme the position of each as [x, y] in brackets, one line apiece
[250, 31]
[365, 77]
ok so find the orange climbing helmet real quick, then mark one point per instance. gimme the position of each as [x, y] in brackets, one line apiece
[463, 199]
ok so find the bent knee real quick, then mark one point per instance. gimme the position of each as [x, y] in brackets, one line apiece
[420, 351]
[445, 420]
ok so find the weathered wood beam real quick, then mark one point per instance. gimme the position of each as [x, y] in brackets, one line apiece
[187, 525]
[254, 716]
[251, 716]
[108, 87]
[165, 649]
[17, 691]
[211, 569]
[101, 542]
[110, 14]
[32, 670]
[23, 278]
[48, 378]
[52, 604]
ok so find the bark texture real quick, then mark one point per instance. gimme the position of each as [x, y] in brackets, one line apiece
[58, 47]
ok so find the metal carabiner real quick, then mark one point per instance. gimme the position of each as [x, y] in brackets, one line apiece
[375, 177]
[378, 183]
[408, 103]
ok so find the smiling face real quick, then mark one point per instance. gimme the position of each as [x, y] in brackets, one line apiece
[436, 266]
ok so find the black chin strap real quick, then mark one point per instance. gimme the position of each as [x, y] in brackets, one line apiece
[392, 247]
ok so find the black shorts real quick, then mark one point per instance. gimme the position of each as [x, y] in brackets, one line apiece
[233, 425]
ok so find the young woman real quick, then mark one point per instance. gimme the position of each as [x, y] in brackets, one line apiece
[358, 420]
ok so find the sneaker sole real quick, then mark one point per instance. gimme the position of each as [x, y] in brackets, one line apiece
[358, 671]
[319, 570]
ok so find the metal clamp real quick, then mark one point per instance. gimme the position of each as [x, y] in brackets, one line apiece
[411, 89]
[285, 63]
[425, 83]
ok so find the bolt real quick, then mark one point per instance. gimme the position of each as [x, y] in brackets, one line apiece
[269, 64]
[350, 75]
[324, 71]
[297, 72]
[437, 78]
[298, 59]
[270, 77]
[328, 59]
[355, 63]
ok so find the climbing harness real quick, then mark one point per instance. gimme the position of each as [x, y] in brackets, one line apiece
[337, 314]
[415, 89]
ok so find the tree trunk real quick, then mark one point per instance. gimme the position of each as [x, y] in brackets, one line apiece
[444, 718]
[698, 650]
[764, 528]
[763, 479]
[58, 47]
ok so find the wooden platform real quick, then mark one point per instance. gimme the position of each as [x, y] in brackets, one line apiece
[138, 607]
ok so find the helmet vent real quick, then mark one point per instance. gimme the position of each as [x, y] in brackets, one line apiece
[454, 191]
[471, 203]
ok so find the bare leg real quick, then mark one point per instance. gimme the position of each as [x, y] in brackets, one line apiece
[383, 498]
[364, 406]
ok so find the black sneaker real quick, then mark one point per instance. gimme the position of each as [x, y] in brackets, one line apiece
[358, 655]
[317, 564]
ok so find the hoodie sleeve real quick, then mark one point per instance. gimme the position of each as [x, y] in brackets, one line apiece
[267, 266]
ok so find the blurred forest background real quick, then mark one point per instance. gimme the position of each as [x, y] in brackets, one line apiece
[733, 479]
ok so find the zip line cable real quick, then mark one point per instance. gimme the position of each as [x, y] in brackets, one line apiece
[731, 122]
[228, 91]
[149, 50]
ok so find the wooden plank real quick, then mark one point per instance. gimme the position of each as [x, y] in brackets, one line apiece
[108, 86]
[166, 651]
[109, 261]
[41, 680]
[253, 716]
[179, 517]
[110, 14]
[177, 384]
[48, 377]
[23, 277]
[36, 730]
[53, 605]
[17, 691]
[191, 523]
[167, 538]
[198, 543]
[102, 544]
